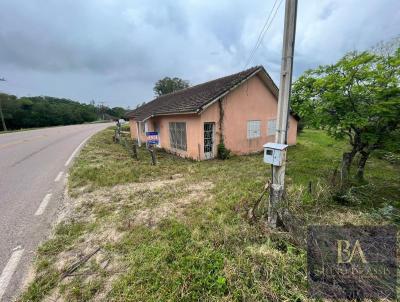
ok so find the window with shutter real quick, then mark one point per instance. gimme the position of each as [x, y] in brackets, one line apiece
[271, 127]
[253, 129]
[177, 135]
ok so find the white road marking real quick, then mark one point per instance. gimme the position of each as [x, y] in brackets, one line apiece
[59, 176]
[43, 205]
[76, 151]
[9, 270]
[16, 248]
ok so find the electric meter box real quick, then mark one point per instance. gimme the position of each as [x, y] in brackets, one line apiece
[274, 154]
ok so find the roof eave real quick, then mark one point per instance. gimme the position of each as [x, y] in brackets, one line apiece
[168, 113]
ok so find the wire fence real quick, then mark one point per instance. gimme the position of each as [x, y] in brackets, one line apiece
[123, 138]
[131, 145]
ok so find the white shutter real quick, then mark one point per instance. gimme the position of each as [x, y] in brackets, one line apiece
[253, 129]
[271, 127]
[177, 135]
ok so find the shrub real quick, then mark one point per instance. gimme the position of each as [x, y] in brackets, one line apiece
[125, 127]
[223, 153]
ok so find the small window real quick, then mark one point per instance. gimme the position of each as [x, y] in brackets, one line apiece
[269, 152]
[271, 127]
[253, 129]
[177, 135]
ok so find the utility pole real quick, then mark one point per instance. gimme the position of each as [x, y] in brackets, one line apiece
[278, 172]
[102, 108]
[1, 111]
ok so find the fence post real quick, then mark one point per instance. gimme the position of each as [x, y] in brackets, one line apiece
[116, 138]
[117, 135]
[134, 150]
[153, 155]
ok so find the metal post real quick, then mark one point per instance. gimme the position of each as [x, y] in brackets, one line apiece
[278, 177]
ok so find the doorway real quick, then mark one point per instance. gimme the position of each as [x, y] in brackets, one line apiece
[209, 140]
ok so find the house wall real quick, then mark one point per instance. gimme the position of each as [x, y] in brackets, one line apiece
[250, 101]
[136, 128]
[161, 123]
[133, 128]
[192, 133]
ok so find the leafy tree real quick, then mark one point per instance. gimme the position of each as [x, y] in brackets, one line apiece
[168, 85]
[42, 111]
[118, 112]
[358, 98]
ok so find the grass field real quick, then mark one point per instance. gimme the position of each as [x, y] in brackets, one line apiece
[179, 231]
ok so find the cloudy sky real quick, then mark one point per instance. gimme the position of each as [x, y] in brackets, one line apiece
[114, 50]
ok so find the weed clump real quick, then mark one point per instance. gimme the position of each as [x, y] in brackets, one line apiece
[223, 152]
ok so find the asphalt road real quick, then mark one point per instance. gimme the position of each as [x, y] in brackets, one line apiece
[33, 165]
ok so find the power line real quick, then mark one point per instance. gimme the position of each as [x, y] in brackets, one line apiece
[260, 34]
[263, 31]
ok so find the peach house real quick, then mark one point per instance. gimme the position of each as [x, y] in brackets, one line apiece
[239, 109]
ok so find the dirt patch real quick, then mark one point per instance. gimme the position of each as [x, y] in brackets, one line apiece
[117, 195]
[126, 190]
[151, 216]
[87, 243]
[107, 286]
[54, 296]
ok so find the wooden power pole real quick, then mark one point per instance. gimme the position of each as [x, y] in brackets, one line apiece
[278, 172]
[1, 112]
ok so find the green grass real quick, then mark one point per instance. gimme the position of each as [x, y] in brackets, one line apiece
[103, 163]
[207, 250]
[64, 235]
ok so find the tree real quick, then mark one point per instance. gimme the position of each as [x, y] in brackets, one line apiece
[118, 112]
[41, 111]
[168, 85]
[358, 98]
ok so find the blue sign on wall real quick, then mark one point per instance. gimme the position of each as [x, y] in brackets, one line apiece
[152, 138]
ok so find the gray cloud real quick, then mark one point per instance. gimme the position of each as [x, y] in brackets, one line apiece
[114, 51]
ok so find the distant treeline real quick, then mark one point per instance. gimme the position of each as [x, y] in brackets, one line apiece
[42, 111]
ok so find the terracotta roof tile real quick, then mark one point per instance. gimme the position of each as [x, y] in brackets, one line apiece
[192, 99]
